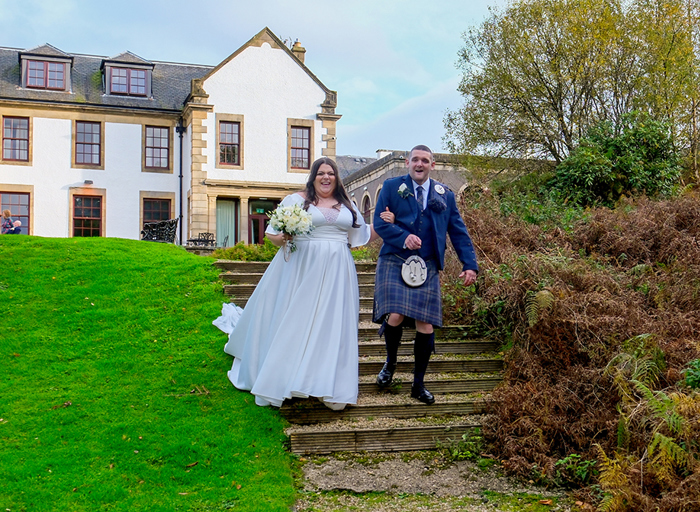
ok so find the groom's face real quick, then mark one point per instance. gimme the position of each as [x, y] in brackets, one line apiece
[419, 164]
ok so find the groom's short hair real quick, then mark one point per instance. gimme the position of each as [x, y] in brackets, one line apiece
[422, 147]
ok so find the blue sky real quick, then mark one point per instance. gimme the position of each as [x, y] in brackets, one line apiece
[391, 61]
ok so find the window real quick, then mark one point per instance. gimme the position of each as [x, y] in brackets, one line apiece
[155, 210]
[157, 148]
[87, 216]
[15, 138]
[87, 143]
[301, 147]
[127, 81]
[229, 143]
[46, 75]
[18, 204]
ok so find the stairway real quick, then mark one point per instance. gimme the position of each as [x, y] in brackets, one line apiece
[460, 374]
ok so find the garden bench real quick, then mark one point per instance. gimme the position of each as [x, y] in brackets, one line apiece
[163, 231]
[203, 240]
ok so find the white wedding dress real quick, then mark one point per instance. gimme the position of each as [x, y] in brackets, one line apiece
[297, 336]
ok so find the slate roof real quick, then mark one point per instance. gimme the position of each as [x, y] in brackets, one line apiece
[170, 87]
[348, 164]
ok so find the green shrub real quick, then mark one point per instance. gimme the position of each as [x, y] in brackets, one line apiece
[249, 252]
[634, 158]
[692, 374]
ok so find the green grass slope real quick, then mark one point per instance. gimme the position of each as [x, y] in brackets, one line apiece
[113, 388]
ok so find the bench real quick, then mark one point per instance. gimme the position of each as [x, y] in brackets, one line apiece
[163, 231]
[203, 240]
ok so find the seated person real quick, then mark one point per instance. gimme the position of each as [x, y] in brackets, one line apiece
[16, 228]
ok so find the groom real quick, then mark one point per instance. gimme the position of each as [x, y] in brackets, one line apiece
[426, 212]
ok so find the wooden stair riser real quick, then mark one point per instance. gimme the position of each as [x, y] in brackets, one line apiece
[313, 413]
[261, 266]
[450, 332]
[244, 291]
[379, 440]
[455, 347]
[437, 387]
[450, 366]
[254, 278]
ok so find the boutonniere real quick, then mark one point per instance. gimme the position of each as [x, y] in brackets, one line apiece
[437, 204]
[404, 192]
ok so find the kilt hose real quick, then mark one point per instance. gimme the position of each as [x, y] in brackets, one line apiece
[392, 295]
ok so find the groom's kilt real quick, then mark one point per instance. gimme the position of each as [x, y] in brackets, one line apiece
[392, 295]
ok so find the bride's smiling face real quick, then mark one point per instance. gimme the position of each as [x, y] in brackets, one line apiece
[325, 181]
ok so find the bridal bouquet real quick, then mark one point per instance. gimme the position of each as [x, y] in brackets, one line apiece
[291, 220]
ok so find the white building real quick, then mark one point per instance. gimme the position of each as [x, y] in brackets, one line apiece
[96, 146]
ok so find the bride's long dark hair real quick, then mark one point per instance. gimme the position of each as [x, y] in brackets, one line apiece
[339, 194]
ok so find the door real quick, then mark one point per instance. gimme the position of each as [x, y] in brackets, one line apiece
[226, 222]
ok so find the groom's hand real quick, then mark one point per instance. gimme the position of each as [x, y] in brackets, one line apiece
[413, 242]
[469, 277]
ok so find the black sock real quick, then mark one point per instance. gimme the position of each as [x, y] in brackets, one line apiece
[392, 338]
[423, 347]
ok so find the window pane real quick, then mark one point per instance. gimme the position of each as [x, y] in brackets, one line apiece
[15, 142]
[18, 204]
[87, 147]
[157, 147]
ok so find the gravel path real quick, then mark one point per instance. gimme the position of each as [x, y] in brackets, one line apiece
[408, 482]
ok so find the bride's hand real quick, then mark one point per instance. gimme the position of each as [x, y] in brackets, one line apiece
[387, 216]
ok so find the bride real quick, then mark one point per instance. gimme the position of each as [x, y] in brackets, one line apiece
[297, 336]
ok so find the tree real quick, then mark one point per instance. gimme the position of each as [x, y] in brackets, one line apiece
[538, 75]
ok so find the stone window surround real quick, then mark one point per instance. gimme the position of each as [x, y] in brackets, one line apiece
[234, 118]
[144, 194]
[87, 191]
[28, 161]
[305, 123]
[22, 189]
[74, 163]
[169, 169]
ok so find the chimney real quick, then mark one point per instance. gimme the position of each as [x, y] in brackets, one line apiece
[298, 51]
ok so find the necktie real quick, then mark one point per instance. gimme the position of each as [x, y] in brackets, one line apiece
[419, 197]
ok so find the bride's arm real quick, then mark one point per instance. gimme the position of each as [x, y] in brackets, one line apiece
[278, 239]
[386, 216]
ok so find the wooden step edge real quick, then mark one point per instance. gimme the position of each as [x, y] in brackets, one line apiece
[441, 347]
[435, 366]
[383, 440]
[310, 412]
[437, 387]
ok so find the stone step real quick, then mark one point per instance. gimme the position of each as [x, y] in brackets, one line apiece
[453, 347]
[311, 411]
[436, 387]
[439, 366]
[378, 439]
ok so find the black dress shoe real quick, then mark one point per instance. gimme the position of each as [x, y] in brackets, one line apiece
[422, 394]
[385, 376]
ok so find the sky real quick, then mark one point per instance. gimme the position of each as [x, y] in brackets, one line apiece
[392, 62]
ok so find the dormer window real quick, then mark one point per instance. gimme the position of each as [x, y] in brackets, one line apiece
[46, 75]
[132, 82]
[127, 74]
[46, 67]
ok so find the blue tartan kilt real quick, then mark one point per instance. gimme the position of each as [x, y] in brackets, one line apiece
[392, 295]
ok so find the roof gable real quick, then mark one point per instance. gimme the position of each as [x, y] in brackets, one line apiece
[266, 36]
[128, 58]
[46, 50]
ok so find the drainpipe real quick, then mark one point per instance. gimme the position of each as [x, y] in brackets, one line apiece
[181, 131]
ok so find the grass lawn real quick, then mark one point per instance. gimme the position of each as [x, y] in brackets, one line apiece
[113, 389]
